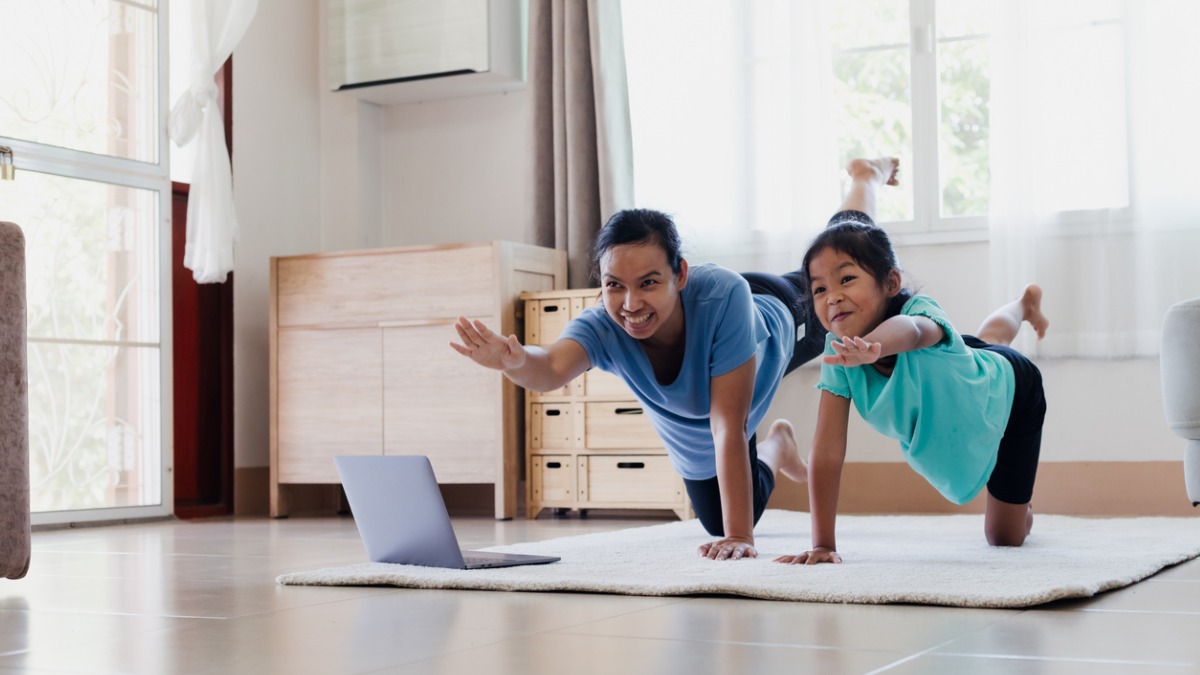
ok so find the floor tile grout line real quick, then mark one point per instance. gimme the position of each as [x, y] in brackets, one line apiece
[739, 643]
[910, 657]
[1067, 659]
[924, 652]
[1169, 612]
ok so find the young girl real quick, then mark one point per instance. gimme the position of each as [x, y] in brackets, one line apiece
[967, 410]
[702, 347]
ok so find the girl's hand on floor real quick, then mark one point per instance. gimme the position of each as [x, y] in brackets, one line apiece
[854, 352]
[814, 557]
[729, 548]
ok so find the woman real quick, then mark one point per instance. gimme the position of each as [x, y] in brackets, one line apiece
[702, 347]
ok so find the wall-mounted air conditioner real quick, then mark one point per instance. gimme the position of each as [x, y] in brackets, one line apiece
[397, 51]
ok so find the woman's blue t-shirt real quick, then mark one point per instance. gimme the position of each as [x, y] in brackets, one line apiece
[725, 325]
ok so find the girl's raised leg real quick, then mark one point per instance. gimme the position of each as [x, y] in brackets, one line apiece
[1001, 326]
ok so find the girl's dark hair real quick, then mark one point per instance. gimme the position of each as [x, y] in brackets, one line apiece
[639, 227]
[869, 247]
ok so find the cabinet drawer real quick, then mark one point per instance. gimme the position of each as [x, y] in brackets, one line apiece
[597, 382]
[546, 319]
[544, 322]
[552, 478]
[572, 388]
[555, 425]
[327, 406]
[426, 401]
[349, 289]
[618, 424]
[629, 479]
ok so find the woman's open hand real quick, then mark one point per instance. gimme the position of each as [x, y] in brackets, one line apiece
[486, 348]
[729, 548]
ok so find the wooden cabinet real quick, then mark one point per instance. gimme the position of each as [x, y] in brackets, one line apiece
[590, 444]
[360, 362]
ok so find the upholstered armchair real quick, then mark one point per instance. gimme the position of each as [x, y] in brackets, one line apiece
[14, 407]
[1180, 363]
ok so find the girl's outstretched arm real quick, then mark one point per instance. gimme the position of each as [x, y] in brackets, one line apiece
[824, 480]
[895, 335]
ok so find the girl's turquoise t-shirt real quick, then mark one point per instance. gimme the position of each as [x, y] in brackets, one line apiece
[948, 405]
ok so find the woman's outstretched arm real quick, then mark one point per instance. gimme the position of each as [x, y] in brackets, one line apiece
[536, 368]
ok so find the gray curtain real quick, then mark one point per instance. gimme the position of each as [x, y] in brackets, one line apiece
[583, 158]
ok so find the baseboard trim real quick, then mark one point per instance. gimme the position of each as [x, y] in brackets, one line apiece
[252, 491]
[1066, 488]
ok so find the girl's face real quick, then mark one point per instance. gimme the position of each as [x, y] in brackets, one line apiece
[848, 301]
[641, 292]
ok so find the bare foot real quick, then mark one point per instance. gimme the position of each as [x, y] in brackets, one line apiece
[1031, 307]
[781, 437]
[884, 169]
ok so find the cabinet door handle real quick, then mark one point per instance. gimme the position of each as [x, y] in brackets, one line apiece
[553, 465]
[629, 411]
[631, 465]
[550, 308]
[552, 412]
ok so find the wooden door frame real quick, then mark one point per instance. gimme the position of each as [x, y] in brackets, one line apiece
[203, 396]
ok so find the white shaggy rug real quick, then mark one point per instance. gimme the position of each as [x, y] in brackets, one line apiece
[934, 560]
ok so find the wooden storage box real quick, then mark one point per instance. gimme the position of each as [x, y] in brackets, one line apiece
[617, 480]
[552, 478]
[590, 444]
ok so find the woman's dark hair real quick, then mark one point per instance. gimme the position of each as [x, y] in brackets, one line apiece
[639, 227]
[869, 247]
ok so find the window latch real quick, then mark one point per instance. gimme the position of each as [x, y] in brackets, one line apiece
[923, 38]
[7, 170]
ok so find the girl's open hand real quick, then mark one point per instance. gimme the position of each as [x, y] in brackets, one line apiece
[814, 557]
[729, 548]
[854, 352]
[486, 348]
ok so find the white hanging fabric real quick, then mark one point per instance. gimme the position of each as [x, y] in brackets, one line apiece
[217, 26]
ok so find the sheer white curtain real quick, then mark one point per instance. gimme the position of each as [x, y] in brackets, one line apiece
[212, 229]
[1094, 177]
[737, 94]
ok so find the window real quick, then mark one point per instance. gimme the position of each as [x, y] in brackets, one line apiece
[81, 105]
[740, 109]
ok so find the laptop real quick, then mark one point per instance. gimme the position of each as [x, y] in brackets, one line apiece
[401, 517]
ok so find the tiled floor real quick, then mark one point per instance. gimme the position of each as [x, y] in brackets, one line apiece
[200, 597]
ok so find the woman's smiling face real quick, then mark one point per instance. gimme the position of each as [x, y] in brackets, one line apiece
[641, 291]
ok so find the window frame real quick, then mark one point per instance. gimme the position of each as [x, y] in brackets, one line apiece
[153, 177]
[929, 225]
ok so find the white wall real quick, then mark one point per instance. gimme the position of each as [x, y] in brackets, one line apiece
[458, 170]
[276, 186]
[321, 171]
